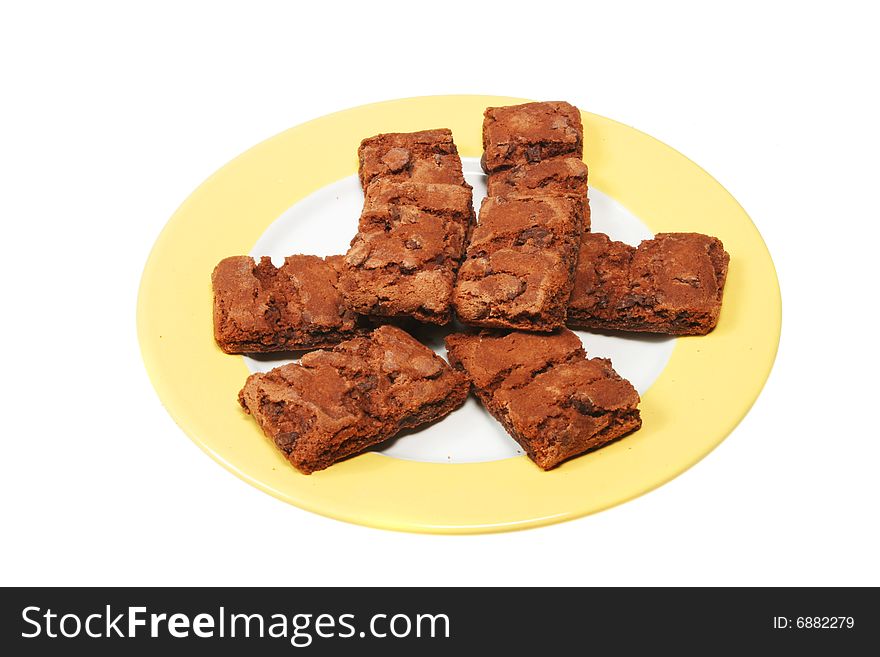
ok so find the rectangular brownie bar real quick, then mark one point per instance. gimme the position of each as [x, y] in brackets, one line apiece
[671, 284]
[333, 404]
[554, 401]
[558, 176]
[409, 244]
[520, 264]
[429, 156]
[529, 133]
[262, 308]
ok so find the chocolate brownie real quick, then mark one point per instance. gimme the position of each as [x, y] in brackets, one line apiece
[410, 240]
[335, 403]
[671, 284]
[554, 401]
[529, 133]
[558, 176]
[428, 156]
[520, 264]
[261, 308]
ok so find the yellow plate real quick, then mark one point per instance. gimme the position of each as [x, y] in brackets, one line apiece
[707, 387]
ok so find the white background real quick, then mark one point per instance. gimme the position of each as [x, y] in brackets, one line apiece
[112, 115]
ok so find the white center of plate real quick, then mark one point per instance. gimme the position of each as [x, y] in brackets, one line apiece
[324, 222]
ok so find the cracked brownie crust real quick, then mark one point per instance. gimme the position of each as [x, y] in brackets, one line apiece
[410, 241]
[529, 133]
[671, 284]
[336, 403]
[520, 261]
[559, 176]
[261, 308]
[549, 397]
[429, 156]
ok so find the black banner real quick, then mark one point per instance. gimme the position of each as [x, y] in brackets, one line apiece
[434, 621]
